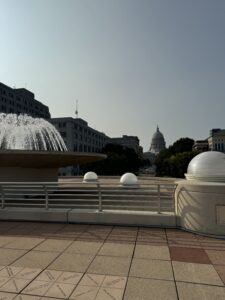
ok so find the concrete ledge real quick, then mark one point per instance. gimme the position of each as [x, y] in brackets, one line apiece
[118, 217]
[34, 214]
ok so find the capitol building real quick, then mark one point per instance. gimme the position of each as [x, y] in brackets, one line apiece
[157, 144]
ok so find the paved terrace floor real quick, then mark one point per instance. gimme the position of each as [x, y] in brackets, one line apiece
[87, 262]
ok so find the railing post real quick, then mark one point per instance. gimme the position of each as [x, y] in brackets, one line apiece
[99, 197]
[46, 196]
[2, 197]
[159, 199]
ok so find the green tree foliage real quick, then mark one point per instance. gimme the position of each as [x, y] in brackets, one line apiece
[119, 161]
[174, 160]
[183, 145]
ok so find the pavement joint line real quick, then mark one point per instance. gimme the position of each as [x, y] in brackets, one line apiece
[200, 283]
[175, 284]
[128, 273]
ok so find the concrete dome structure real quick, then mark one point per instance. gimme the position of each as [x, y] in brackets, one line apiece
[207, 166]
[128, 179]
[90, 177]
[158, 142]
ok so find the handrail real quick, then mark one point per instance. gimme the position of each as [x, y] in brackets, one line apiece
[158, 197]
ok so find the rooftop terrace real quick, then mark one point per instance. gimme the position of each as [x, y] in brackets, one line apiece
[93, 262]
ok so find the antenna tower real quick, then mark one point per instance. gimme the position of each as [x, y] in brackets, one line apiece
[76, 111]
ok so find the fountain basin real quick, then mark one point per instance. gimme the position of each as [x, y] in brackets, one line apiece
[33, 166]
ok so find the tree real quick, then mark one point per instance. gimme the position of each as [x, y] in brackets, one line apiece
[119, 161]
[174, 160]
[182, 145]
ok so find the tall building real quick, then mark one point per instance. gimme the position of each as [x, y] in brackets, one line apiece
[21, 101]
[129, 142]
[78, 137]
[216, 140]
[158, 142]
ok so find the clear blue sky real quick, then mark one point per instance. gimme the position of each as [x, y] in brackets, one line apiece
[132, 64]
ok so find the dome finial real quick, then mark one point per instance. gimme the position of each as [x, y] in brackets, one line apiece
[157, 129]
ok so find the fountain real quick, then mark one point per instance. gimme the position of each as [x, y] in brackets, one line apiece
[31, 149]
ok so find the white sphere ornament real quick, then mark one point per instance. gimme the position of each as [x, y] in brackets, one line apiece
[129, 179]
[207, 166]
[90, 177]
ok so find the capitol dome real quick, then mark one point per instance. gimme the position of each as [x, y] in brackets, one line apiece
[207, 166]
[158, 142]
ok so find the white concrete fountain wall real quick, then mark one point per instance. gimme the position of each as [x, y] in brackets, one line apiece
[200, 200]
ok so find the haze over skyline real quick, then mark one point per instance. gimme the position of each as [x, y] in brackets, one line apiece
[131, 64]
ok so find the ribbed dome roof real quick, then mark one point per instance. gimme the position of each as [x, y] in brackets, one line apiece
[158, 142]
[207, 166]
[158, 135]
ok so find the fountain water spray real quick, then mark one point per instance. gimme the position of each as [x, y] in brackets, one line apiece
[22, 132]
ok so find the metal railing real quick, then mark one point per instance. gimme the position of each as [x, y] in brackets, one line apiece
[154, 197]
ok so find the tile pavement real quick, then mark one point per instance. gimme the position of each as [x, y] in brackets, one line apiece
[42, 261]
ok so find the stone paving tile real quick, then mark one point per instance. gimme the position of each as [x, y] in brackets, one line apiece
[14, 279]
[7, 296]
[10, 271]
[28, 273]
[210, 243]
[109, 294]
[92, 280]
[155, 269]
[216, 257]
[92, 237]
[52, 283]
[70, 277]
[24, 243]
[196, 273]
[121, 238]
[36, 259]
[117, 249]
[27, 297]
[3, 280]
[72, 262]
[152, 252]
[114, 282]
[53, 245]
[84, 247]
[49, 275]
[60, 290]
[7, 256]
[109, 265]
[193, 255]
[14, 285]
[187, 291]
[100, 287]
[37, 288]
[221, 271]
[84, 293]
[4, 240]
[147, 289]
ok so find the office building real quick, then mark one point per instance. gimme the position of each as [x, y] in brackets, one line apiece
[21, 101]
[78, 137]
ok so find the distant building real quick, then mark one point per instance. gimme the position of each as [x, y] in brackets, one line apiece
[201, 145]
[128, 141]
[21, 101]
[78, 137]
[157, 144]
[216, 140]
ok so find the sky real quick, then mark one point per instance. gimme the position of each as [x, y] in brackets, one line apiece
[132, 64]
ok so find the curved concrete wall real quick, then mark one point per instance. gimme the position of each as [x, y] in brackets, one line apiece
[200, 206]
